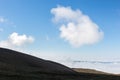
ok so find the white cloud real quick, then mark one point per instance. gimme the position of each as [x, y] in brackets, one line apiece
[16, 40]
[77, 28]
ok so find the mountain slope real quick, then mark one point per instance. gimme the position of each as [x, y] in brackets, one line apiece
[19, 66]
[14, 58]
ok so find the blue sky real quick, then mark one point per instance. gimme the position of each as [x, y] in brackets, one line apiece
[31, 26]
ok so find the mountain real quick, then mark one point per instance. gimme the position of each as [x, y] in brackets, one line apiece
[23, 60]
[19, 66]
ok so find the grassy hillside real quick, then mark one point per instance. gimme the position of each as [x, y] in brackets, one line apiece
[19, 66]
[83, 70]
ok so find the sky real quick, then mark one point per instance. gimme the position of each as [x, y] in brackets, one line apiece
[62, 30]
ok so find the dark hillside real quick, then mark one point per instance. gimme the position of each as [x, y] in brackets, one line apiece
[14, 58]
[19, 66]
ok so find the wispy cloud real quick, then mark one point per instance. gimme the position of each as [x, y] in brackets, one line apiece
[2, 20]
[6, 21]
[16, 40]
[47, 38]
[1, 30]
[77, 28]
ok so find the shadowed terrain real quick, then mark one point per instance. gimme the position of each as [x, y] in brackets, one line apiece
[19, 66]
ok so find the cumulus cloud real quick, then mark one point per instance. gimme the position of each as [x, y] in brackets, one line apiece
[76, 28]
[16, 40]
